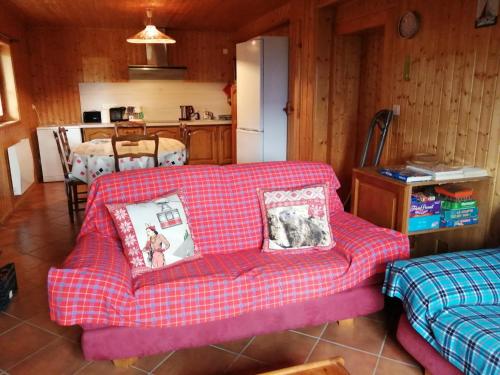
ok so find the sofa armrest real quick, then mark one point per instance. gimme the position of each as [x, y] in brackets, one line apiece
[95, 278]
[367, 245]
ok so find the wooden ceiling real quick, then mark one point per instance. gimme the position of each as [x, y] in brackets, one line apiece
[223, 15]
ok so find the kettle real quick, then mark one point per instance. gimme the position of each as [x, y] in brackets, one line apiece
[186, 112]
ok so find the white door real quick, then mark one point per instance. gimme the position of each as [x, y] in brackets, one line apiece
[249, 146]
[249, 81]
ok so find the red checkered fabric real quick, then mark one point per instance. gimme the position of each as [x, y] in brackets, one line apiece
[95, 286]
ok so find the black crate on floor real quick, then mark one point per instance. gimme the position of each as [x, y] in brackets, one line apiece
[8, 285]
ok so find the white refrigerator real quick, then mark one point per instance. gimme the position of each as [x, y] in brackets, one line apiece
[262, 94]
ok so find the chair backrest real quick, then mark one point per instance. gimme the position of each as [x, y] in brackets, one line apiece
[186, 139]
[64, 161]
[134, 140]
[129, 125]
[63, 139]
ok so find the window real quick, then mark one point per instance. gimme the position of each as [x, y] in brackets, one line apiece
[9, 110]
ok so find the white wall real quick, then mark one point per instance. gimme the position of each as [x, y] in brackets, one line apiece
[160, 100]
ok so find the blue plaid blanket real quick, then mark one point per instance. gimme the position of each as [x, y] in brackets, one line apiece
[453, 301]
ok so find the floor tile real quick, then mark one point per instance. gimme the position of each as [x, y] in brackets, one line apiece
[42, 320]
[150, 362]
[107, 368]
[247, 366]
[199, 361]
[394, 350]
[388, 367]
[7, 322]
[284, 348]
[312, 331]
[357, 363]
[234, 346]
[60, 357]
[365, 334]
[21, 341]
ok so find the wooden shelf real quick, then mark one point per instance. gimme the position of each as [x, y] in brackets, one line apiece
[386, 202]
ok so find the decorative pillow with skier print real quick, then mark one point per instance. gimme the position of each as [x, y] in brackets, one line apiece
[154, 234]
[296, 220]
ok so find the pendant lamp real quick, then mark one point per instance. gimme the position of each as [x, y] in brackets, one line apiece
[150, 34]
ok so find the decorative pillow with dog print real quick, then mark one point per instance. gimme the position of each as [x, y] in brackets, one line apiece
[296, 220]
[154, 234]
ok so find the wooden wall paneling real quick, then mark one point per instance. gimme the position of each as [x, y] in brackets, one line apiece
[13, 26]
[269, 21]
[63, 57]
[321, 124]
[344, 99]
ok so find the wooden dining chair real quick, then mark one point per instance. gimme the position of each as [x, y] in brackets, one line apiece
[133, 140]
[63, 139]
[186, 135]
[130, 127]
[74, 195]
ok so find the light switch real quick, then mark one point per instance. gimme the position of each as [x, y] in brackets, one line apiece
[396, 109]
[225, 51]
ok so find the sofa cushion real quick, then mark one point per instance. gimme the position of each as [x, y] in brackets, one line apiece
[222, 200]
[154, 234]
[296, 220]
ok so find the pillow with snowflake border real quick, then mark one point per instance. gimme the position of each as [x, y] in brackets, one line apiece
[154, 234]
[296, 220]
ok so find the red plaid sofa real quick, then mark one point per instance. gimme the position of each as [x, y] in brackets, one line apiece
[234, 290]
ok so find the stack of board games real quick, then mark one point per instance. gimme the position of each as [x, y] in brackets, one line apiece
[458, 206]
[425, 211]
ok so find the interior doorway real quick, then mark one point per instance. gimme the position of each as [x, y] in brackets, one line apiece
[355, 97]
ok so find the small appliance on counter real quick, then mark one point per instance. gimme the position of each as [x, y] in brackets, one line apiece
[195, 116]
[186, 112]
[118, 114]
[91, 116]
[207, 115]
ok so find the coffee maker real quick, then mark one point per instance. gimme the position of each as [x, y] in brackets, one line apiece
[186, 112]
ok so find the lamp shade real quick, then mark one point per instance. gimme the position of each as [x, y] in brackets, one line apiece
[151, 35]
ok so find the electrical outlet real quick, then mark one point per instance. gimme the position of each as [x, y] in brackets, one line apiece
[225, 51]
[396, 109]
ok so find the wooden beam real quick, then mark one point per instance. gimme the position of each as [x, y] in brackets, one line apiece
[268, 21]
[355, 25]
[326, 3]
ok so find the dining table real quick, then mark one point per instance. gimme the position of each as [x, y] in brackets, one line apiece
[95, 158]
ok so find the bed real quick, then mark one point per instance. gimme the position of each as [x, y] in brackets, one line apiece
[451, 308]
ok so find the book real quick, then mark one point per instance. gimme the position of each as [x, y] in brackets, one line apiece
[455, 192]
[475, 172]
[439, 171]
[455, 205]
[402, 173]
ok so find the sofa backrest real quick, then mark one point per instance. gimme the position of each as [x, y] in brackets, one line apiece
[221, 201]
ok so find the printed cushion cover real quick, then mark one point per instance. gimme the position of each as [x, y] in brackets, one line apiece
[154, 234]
[296, 220]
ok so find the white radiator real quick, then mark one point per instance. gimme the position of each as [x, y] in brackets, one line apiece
[22, 172]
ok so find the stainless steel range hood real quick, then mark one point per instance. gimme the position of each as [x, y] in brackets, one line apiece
[157, 67]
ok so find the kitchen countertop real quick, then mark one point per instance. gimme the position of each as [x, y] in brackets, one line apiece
[152, 123]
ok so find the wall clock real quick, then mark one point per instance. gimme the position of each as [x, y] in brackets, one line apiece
[408, 25]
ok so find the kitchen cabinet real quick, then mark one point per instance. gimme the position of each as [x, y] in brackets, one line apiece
[225, 146]
[203, 145]
[210, 144]
[97, 133]
[165, 132]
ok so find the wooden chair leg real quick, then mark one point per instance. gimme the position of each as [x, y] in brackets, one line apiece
[427, 372]
[124, 362]
[69, 195]
[75, 198]
[346, 322]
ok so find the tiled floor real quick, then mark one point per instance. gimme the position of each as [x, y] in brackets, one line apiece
[39, 235]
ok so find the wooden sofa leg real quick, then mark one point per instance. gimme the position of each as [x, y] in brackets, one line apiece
[124, 362]
[346, 322]
[427, 372]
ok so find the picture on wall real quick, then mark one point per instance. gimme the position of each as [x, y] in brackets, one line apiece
[487, 12]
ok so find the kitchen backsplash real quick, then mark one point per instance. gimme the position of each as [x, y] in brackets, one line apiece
[160, 100]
